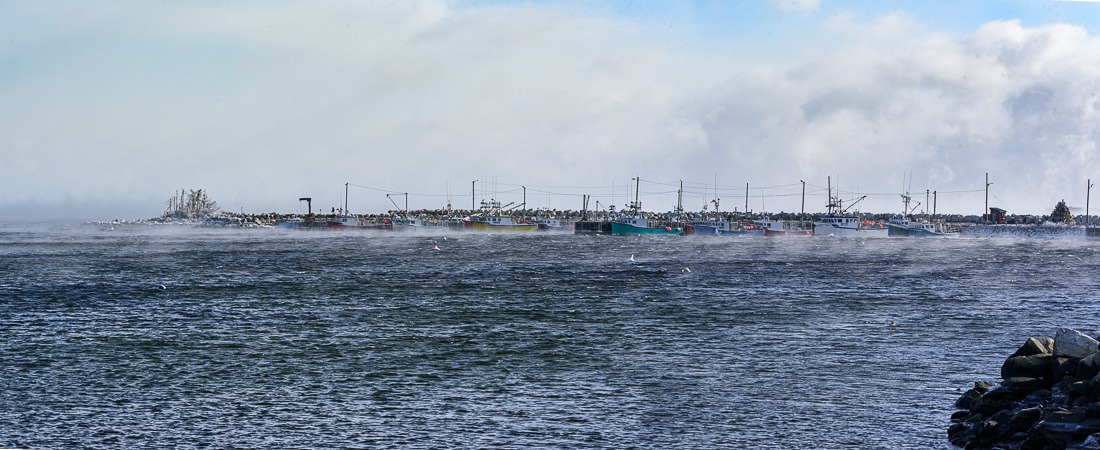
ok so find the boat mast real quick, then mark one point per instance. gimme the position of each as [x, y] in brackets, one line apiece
[746, 198]
[634, 207]
[717, 214]
[346, 199]
[934, 204]
[680, 199]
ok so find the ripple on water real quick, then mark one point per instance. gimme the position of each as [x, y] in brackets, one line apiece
[282, 339]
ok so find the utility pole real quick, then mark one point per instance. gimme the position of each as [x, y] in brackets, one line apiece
[934, 204]
[986, 213]
[524, 200]
[802, 214]
[1088, 191]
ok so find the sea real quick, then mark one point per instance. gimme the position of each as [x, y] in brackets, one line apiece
[143, 336]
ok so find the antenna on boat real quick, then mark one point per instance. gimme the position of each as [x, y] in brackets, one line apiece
[831, 205]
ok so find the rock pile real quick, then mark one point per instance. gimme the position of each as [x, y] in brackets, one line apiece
[1048, 399]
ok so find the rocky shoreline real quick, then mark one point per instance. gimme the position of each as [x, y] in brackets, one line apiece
[1048, 399]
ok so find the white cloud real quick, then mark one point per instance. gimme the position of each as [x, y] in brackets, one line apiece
[797, 6]
[261, 106]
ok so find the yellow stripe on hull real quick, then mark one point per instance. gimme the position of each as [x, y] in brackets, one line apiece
[514, 228]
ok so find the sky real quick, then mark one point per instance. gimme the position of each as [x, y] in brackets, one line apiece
[108, 108]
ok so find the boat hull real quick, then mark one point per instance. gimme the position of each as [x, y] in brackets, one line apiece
[862, 232]
[900, 231]
[625, 229]
[770, 232]
[741, 232]
[371, 227]
[511, 228]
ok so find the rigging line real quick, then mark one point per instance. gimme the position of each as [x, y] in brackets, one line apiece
[388, 191]
[556, 186]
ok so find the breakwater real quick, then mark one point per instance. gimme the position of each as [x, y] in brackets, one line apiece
[1048, 398]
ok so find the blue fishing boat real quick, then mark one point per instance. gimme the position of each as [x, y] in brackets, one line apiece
[635, 224]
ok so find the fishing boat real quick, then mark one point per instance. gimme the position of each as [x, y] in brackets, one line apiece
[624, 226]
[351, 222]
[407, 224]
[781, 228]
[494, 219]
[723, 228]
[634, 224]
[903, 227]
[838, 223]
[404, 222]
[848, 226]
[344, 220]
[553, 225]
[910, 226]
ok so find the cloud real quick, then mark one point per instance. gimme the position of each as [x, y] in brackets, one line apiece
[260, 106]
[797, 6]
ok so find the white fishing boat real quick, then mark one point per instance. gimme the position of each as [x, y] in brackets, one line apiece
[838, 223]
[781, 228]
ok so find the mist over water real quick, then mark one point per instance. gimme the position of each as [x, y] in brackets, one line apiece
[290, 338]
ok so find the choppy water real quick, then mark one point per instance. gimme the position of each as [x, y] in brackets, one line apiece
[285, 338]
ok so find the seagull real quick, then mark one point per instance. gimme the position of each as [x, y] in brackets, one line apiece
[686, 270]
[435, 248]
[631, 258]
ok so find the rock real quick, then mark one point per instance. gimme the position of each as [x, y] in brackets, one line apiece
[1032, 366]
[1088, 366]
[1049, 398]
[968, 399]
[1036, 346]
[1026, 385]
[998, 399]
[1090, 443]
[1074, 344]
[1024, 419]
[1063, 367]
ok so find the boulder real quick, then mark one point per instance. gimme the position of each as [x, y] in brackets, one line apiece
[1088, 366]
[1036, 346]
[1074, 344]
[1032, 366]
[1090, 443]
[1049, 398]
